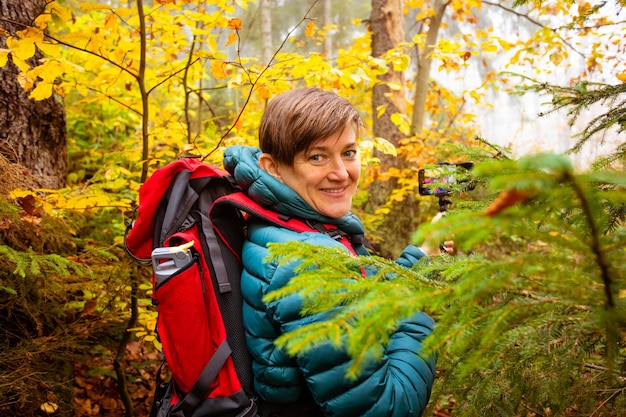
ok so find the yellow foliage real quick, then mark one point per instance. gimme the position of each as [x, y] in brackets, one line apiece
[48, 49]
[42, 91]
[262, 92]
[447, 46]
[218, 69]
[53, 200]
[380, 110]
[185, 31]
[42, 20]
[49, 407]
[234, 24]
[583, 7]
[310, 28]
[89, 7]
[476, 96]
[31, 34]
[126, 13]
[382, 211]
[232, 38]
[414, 4]
[556, 58]
[489, 46]
[57, 10]
[402, 122]
[242, 3]
[381, 144]
[110, 22]
[21, 48]
[24, 80]
[401, 62]
[235, 81]
[504, 44]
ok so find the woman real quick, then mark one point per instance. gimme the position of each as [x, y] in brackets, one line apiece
[308, 167]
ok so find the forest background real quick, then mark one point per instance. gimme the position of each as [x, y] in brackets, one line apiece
[96, 95]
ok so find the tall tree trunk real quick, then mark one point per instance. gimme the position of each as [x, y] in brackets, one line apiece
[423, 67]
[387, 26]
[266, 32]
[32, 133]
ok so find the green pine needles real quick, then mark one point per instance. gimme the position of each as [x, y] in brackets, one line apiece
[530, 315]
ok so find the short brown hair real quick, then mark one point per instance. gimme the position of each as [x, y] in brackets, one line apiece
[296, 119]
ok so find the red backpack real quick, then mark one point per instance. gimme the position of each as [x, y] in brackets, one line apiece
[190, 227]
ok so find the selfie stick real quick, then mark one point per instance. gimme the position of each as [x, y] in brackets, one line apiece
[444, 203]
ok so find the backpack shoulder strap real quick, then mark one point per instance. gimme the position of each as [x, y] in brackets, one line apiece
[241, 201]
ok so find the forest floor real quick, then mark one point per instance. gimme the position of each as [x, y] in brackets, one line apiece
[96, 390]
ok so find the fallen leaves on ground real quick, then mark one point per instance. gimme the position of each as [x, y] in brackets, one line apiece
[96, 389]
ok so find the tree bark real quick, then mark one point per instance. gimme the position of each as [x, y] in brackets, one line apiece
[32, 133]
[387, 32]
[387, 26]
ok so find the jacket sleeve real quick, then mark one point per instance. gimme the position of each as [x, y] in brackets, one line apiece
[410, 255]
[398, 385]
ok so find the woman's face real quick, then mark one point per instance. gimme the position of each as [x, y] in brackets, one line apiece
[326, 175]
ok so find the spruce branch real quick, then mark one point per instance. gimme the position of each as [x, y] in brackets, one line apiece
[579, 97]
[329, 277]
[595, 239]
[532, 297]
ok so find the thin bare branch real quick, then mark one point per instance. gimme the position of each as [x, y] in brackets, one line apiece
[254, 81]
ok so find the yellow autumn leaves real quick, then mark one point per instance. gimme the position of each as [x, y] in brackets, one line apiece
[52, 200]
[43, 71]
[39, 79]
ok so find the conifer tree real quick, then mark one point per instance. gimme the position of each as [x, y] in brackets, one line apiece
[578, 98]
[530, 314]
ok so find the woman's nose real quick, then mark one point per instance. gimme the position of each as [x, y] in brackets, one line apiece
[338, 170]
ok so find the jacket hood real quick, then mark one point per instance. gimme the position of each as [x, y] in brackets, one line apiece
[242, 162]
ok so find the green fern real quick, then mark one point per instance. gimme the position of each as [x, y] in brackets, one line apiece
[32, 264]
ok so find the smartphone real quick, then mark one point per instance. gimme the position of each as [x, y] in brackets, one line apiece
[439, 179]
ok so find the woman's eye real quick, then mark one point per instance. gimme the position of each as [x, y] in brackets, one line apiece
[351, 153]
[315, 158]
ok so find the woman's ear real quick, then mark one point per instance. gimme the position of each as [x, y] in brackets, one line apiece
[268, 164]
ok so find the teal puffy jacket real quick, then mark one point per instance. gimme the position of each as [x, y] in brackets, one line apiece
[399, 385]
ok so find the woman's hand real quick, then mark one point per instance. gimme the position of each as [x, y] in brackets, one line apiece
[445, 247]
[431, 248]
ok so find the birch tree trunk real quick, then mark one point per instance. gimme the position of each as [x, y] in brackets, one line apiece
[266, 32]
[422, 80]
[32, 133]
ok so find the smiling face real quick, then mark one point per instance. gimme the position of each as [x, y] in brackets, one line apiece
[325, 175]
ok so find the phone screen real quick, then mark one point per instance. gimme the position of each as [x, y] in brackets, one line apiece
[438, 180]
